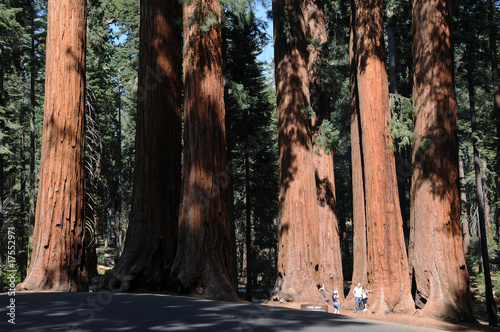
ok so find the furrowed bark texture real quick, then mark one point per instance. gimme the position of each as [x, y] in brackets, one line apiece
[360, 257]
[203, 262]
[388, 275]
[331, 276]
[57, 262]
[436, 251]
[298, 240]
[151, 240]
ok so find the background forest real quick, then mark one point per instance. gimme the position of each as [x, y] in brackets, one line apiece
[251, 129]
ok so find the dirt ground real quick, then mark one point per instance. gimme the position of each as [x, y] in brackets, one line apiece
[406, 319]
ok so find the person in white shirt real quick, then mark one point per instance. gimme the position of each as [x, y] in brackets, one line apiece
[358, 297]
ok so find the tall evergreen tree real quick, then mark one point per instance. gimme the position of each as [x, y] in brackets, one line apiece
[331, 276]
[298, 241]
[152, 233]
[57, 262]
[202, 264]
[360, 253]
[387, 269]
[251, 146]
[440, 275]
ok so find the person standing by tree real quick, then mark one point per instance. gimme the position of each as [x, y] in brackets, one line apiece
[358, 297]
[335, 299]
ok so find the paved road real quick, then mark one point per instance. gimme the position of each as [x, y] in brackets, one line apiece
[104, 311]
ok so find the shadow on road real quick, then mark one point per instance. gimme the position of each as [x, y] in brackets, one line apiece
[106, 311]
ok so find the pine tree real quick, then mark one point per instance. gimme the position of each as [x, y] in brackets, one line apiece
[252, 147]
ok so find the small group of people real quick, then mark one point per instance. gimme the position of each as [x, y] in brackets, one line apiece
[360, 297]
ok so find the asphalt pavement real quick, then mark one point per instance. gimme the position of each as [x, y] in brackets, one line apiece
[106, 311]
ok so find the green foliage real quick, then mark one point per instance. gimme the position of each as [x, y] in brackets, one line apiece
[9, 274]
[401, 123]
[334, 77]
[251, 142]
[327, 137]
[308, 112]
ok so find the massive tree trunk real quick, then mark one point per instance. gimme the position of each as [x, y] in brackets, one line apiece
[298, 242]
[203, 262]
[57, 262]
[388, 276]
[151, 240]
[440, 275]
[360, 256]
[330, 270]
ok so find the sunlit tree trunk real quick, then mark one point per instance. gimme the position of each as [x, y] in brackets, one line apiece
[203, 262]
[330, 270]
[440, 275]
[388, 276]
[360, 256]
[298, 241]
[151, 239]
[57, 262]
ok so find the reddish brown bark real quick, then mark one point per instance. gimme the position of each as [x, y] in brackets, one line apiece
[436, 251]
[298, 240]
[151, 239]
[331, 276]
[360, 256]
[388, 276]
[203, 263]
[57, 262]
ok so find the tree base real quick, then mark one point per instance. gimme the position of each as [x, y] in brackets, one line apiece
[137, 275]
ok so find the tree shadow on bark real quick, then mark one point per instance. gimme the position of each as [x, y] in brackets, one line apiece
[435, 152]
[202, 266]
[152, 233]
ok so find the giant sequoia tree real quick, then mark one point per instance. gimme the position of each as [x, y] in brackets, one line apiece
[57, 261]
[387, 264]
[298, 241]
[331, 276]
[436, 251]
[203, 263]
[152, 234]
[360, 258]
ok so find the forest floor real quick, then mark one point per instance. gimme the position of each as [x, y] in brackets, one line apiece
[406, 319]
